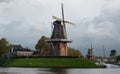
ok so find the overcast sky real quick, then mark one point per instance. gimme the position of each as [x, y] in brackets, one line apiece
[97, 22]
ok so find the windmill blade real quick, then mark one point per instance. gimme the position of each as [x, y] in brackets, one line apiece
[63, 20]
[57, 18]
[69, 22]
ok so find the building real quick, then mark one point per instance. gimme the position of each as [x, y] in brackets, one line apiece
[24, 53]
[102, 59]
[58, 41]
[90, 54]
[19, 51]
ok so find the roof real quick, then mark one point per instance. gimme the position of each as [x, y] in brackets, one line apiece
[18, 48]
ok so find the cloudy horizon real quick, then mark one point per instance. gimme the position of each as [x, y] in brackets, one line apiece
[97, 22]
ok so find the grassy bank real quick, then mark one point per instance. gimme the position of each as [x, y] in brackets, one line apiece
[48, 62]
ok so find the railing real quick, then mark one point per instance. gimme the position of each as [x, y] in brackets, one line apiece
[61, 40]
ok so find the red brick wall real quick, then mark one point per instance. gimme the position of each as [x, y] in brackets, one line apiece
[63, 49]
[60, 49]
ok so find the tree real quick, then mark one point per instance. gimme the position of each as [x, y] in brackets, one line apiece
[118, 58]
[113, 53]
[70, 51]
[41, 45]
[4, 46]
[78, 53]
[73, 52]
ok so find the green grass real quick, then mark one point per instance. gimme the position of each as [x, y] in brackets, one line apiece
[49, 62]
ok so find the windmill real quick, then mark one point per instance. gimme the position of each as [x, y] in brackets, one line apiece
[90, 53]
[63, 20]
[58, 41]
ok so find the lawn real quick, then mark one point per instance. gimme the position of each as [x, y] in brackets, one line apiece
[49, 62]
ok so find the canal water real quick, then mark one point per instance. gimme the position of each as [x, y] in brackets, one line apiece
[11, 70]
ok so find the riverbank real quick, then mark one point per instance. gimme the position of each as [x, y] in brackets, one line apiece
[49, 63]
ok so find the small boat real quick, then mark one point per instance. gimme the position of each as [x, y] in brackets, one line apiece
[102, 64]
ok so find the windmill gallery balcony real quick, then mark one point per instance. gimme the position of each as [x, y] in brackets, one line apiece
[59, 40]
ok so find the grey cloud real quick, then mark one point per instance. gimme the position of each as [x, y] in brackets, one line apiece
[5, 1]
[101, 30]
[11, 25]
[106, 29]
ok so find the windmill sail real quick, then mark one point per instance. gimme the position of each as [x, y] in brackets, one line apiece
[59, 19]
[63, 21]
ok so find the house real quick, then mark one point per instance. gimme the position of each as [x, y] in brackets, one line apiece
[112, 59]
[15, 48]
[102, 59]
[19, 51]
[24, 53]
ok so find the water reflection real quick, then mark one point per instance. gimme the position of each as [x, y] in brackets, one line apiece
[5, 70]
[52, 71]
[7, 73]
[59, 70]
